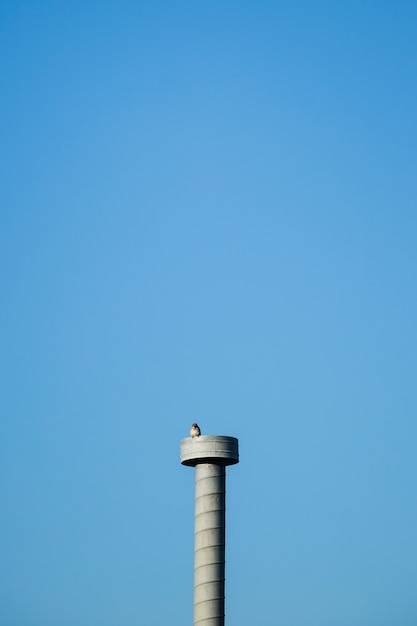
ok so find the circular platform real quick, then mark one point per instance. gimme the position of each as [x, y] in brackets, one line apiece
[210, 449]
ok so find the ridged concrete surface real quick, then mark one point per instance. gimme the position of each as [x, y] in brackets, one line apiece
[209, 544]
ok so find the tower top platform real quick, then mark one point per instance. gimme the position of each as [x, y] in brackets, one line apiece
[215, 449]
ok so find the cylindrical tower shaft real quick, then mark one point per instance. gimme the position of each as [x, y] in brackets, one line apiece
[209, 544]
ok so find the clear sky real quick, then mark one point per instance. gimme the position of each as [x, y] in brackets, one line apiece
[208, 213]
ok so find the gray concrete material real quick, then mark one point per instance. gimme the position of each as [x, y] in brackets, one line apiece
[209, 544]
[209, 449]
[209, 455]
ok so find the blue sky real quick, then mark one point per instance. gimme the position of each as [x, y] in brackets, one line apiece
[208, 213]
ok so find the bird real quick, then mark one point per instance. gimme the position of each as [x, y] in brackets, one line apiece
[195, 430]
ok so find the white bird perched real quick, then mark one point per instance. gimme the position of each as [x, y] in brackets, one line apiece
[195, 430]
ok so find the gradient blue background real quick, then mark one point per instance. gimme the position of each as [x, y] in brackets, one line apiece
[208, 213]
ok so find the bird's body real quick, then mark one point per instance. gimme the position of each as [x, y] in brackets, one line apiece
[195, 430]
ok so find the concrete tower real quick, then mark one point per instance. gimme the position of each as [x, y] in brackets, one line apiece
[209, 455]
